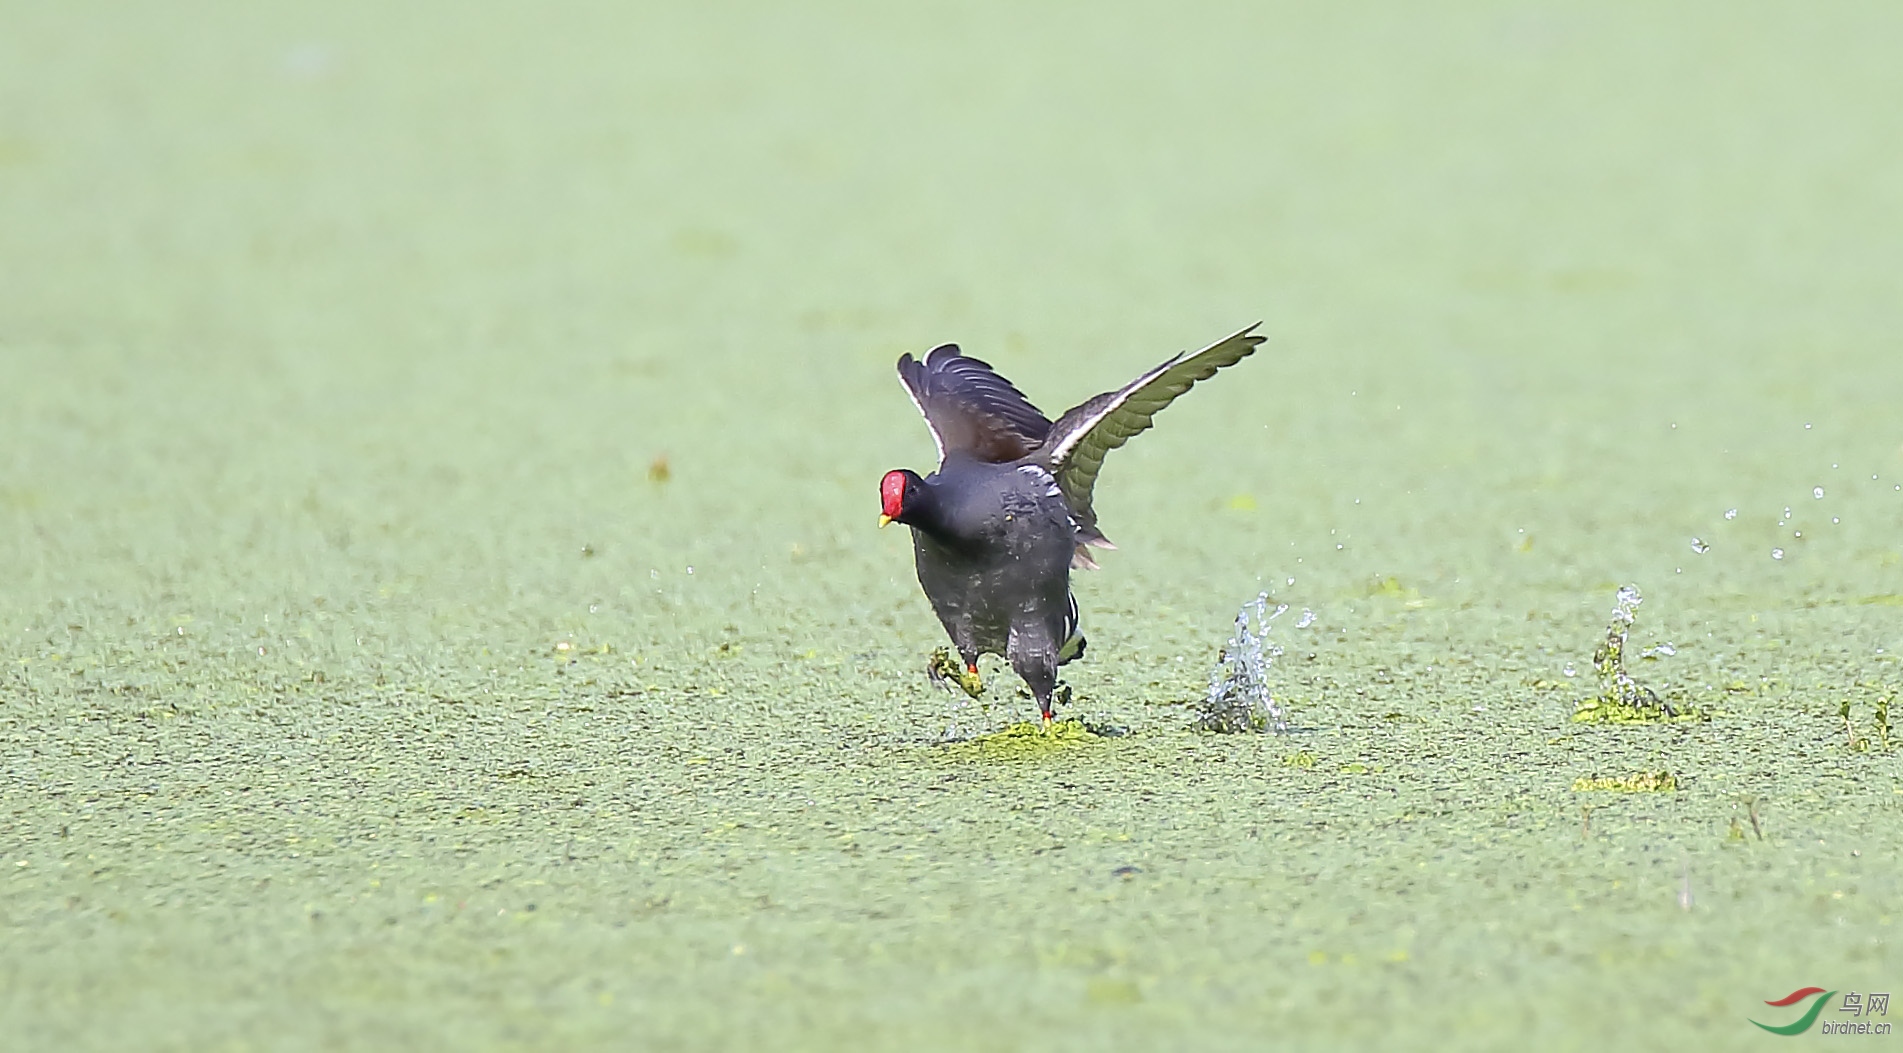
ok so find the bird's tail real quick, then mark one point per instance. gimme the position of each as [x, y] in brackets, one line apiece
[1073, 647]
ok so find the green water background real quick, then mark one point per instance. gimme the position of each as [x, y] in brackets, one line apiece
[359, 687]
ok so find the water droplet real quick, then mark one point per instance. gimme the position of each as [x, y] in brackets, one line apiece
[1239, 698]
[1731, 513]
[1787, 511]
[1700, 547]
[1834, 519]
[1307, 619]
[1664, 650]
[1568, 669]
[1797, 533]
[1777, 553]
[1807, 425]
[1291, 581]
[1337, 548]
[1818, 491]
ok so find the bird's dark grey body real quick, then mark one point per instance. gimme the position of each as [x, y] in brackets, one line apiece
[998, 528]
[994, 555]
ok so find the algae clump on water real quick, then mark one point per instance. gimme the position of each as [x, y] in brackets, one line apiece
[1027, 740]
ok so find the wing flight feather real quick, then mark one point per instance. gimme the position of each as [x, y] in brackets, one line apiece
[1076, 444]
[970, 409]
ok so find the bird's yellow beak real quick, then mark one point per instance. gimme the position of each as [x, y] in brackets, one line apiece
[883, 520]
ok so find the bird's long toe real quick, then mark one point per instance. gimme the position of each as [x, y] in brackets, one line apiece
[940, 667]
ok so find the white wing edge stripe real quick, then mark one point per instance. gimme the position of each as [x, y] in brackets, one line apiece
[937, 442]
[1077, 436]
[1038, 474]
[1078, 433]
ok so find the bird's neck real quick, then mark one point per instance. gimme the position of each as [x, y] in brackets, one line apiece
[925, 511]
[927, 514]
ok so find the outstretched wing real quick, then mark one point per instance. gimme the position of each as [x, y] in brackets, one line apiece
[1075, 447]
[970, 408]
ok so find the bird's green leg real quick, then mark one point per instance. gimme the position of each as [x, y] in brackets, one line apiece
[940, 667]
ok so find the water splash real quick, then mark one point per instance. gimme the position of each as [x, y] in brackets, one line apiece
[1617, 689]
[1239, 698]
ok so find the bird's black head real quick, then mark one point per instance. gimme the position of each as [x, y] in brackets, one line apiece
[899, 494]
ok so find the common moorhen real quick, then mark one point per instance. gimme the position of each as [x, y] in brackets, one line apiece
[998, 527]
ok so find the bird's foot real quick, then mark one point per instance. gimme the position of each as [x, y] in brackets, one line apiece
[969, 680]
[941, 668]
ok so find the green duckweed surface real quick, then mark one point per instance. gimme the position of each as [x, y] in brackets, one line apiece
[364, 682]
